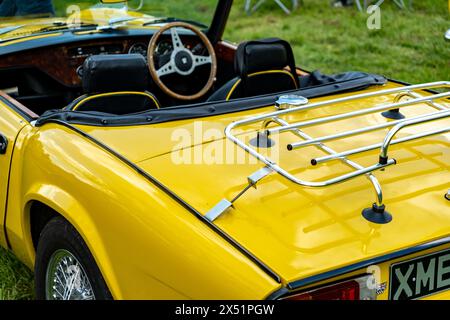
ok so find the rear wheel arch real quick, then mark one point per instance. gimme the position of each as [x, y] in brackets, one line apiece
[40, 210]
[39, 215]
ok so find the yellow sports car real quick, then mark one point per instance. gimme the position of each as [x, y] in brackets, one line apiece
[143, 157]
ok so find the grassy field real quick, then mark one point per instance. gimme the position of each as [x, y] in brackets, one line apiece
[409, 46]
[16, 280]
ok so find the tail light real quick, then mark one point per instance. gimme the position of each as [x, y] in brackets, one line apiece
[362, 288]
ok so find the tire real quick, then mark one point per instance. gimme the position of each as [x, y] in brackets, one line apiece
[59, 242]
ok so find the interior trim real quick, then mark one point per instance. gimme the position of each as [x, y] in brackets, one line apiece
[18, 107]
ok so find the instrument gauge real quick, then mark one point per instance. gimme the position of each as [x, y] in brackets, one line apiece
[139, 48]
[164, 47]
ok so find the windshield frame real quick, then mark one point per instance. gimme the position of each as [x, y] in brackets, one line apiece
[219, 22]
[214, 31]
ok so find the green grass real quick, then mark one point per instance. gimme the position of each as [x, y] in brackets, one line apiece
[16, 280]
[409, 46]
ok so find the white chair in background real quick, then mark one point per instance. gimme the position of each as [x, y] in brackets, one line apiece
[249, 9]
[365, 3]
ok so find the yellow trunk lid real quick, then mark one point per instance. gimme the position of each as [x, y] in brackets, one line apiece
[299, 231]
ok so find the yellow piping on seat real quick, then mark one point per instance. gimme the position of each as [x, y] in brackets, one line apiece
[79, 103]
[256, 74]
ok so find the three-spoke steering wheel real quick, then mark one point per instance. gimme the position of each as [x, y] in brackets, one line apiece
[182, 60]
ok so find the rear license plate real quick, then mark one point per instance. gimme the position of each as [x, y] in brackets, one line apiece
[420, 276]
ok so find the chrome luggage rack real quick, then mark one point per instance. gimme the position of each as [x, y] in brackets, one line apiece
[290, 104]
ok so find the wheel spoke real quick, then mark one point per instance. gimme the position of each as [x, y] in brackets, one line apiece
[201, 60]
[66, 278]
[176, 40]
[72, 284]
[166, 69]
[61, 271]
[61, 296]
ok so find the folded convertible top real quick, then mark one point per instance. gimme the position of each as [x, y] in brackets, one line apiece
[314, 85]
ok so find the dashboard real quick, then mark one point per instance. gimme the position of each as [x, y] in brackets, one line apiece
[51, 76]
[64, 63]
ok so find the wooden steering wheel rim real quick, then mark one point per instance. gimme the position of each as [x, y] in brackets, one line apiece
[153, 71]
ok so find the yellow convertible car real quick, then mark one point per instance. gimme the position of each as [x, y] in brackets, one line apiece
[143, 157]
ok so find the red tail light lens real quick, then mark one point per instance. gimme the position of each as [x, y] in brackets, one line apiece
[356, 289]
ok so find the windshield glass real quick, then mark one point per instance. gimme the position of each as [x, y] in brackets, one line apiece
[192, 10]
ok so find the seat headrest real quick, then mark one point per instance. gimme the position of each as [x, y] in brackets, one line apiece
[263, 55]
[116, 72]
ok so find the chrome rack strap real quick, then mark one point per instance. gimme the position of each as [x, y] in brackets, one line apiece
[223, 205]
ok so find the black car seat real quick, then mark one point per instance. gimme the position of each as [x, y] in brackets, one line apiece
[261, 69]
[115, 84]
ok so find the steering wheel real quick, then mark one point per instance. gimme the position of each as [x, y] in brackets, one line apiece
[182, 60]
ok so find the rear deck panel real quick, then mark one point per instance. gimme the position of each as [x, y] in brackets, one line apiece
[298, 231]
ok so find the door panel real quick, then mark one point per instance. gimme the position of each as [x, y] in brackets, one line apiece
[10, 125]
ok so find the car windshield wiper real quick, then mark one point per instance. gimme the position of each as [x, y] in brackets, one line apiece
[113, 24]
[172, 19]
[116, 23]
[57, 26]
[9, 29]
[64, 26]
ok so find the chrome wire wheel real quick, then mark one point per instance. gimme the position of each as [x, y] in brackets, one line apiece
[66, 278]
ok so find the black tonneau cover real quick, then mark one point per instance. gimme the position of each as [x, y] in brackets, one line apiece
[345, 82]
